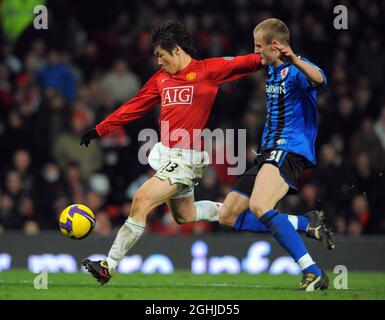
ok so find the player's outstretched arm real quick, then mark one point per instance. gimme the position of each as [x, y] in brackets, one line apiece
[147, 98]
[226, 69]
[310, 71]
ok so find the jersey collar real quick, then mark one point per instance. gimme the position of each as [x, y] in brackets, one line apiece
[280, 67]
[186, 69]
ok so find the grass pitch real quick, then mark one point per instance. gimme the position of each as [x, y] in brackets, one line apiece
[182, 285]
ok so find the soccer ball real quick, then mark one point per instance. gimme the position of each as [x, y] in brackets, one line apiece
[77, 221]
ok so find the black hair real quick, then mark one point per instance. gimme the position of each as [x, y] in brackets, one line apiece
[170, 34]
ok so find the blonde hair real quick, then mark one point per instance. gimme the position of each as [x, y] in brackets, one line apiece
[273, 29]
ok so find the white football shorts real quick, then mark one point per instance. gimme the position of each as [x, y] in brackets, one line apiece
[181, 166]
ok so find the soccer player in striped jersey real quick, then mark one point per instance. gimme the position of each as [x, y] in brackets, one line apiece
[286, 149]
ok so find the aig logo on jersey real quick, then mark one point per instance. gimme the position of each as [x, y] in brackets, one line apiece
[177, 95]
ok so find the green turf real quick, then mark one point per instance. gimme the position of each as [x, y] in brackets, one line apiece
[18, 284]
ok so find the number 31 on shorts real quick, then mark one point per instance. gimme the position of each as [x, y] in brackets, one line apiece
[275, 155]
[169, 167]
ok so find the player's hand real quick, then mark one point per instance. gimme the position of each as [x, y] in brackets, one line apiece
[88, 136]
[286, 54]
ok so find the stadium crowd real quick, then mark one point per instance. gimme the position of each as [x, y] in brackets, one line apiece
[57, 83]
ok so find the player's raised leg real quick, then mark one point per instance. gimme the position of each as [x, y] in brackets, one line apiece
[236, 214]
[269, 188]
[151, 194]
[185, 210]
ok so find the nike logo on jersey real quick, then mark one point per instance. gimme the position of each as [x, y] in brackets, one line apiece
[163, 80]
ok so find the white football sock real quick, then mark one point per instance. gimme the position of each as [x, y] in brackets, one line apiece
[207, 210]
[305, 261]
[127, 236]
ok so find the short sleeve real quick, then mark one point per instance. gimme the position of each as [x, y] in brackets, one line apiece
[305, 83]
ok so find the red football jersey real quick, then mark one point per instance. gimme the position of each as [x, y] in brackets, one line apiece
[186, 98]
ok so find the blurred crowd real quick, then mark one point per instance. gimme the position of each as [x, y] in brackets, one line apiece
[57, 83]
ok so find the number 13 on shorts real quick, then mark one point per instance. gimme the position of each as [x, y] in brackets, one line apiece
[169, 167]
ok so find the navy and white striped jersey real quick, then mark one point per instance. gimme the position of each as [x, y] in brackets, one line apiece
[291, 123]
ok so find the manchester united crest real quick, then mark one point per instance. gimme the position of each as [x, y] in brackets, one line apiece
[191, 76]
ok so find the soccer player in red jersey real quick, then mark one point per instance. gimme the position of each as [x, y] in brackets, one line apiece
[185, 89]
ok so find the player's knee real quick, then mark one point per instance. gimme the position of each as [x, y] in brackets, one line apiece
[141, 203]
[183, 214]
[182, 220]
[227, 216]
[259, 206]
